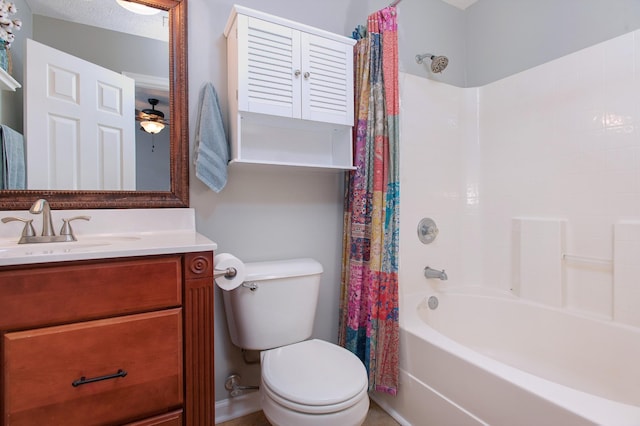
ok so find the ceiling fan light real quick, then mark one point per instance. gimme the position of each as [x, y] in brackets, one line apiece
[138, 8]
[152, 127]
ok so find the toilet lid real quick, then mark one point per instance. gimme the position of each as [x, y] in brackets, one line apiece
[313, 372]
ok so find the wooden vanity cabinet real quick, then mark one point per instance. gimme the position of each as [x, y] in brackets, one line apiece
[108, 342]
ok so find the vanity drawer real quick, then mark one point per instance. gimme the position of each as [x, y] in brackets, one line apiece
[79, 291]
[174, 418]
[44, 368]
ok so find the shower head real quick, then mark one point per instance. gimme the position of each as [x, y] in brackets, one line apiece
[438, 63]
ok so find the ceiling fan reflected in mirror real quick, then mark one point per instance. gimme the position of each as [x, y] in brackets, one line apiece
[151, 119]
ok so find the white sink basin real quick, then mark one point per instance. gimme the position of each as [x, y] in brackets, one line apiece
[109, 234]
[124, 238]
[19, 250]
[102, 246]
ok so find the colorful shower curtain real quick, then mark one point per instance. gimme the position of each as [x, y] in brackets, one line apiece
[369, 291]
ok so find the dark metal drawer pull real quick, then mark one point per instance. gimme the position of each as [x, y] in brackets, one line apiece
[83, 380]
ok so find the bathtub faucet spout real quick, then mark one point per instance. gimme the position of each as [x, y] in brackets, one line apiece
[434, 273]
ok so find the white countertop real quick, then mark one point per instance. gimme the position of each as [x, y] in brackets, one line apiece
[110, 233]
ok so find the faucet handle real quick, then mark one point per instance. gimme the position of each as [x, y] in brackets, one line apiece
[66, 225]
[28, 230]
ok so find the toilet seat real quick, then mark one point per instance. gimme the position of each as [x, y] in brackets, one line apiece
[313, 376]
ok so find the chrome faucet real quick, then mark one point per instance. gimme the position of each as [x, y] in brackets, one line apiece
[434, 273]
[48, 235]
[42, 206]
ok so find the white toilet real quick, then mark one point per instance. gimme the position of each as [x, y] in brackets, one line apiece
[304, 382]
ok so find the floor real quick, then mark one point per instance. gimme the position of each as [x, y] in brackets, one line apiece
[376, 417]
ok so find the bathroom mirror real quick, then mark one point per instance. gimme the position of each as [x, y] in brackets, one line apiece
[177, 194]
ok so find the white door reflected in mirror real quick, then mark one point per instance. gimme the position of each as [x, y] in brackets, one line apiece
[78, 123]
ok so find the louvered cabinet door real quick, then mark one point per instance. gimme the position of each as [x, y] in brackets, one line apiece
[327, 87]
[269, 68]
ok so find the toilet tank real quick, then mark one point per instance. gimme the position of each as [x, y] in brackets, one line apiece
[275, 306]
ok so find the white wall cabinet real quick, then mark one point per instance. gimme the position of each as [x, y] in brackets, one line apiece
[290, 92]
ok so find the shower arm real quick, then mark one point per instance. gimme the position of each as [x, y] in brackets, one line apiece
[420, 58]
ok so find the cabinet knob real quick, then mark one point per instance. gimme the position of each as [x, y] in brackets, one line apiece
[297, 73]
[307, 74]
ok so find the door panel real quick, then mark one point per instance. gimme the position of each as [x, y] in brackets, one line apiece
[79, 123]
[268, 82]
[327, 90]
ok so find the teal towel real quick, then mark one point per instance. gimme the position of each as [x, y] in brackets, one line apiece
[212, 148]
[12, 160]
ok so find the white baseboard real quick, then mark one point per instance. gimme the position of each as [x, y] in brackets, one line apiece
[232, 408]
[388, 409]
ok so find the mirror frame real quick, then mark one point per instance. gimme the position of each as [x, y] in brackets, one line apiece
[178, 195]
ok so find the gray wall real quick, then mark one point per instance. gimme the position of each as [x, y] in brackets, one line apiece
[425, 26]
[505, 37]
[153, 159]
[104, 47]
[272, 213]
[493, 39]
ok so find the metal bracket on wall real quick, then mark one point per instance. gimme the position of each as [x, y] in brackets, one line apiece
[232, 384]
[427, 230]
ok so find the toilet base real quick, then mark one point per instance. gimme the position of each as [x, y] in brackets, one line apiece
[282, 416]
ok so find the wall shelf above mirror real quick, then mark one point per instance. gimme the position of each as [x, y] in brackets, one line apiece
[7, 82]
[168, 189]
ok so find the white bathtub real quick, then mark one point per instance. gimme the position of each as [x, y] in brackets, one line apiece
[493, 359]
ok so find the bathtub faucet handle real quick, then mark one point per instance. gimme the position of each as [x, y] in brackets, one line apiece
[435, 273]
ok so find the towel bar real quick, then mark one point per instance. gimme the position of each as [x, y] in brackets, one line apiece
[588, 259]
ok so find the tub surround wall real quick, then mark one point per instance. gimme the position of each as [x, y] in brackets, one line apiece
[439, 165]
[560, 140]
[536, 254]
[626, 272]
[555, 144]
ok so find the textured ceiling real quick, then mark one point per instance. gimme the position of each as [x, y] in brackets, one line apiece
[104, 14]
[108, 14]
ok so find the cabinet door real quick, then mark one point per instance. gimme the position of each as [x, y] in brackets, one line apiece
[78, 291]
[269, 68]
[327, 89]
[94, 373]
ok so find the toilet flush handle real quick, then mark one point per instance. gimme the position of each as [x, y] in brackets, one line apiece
[250, 286]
